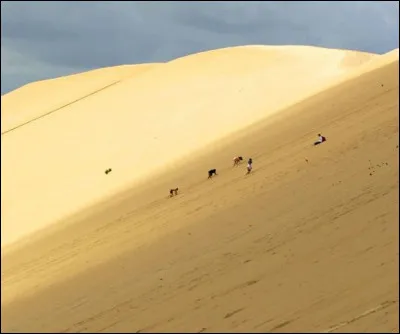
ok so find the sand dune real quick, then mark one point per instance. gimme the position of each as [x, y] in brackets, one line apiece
[37, 99]
[296, 246]
[54, 159]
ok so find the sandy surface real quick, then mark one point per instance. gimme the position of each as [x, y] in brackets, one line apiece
[36, 100]
[60, 136]
[308, 242]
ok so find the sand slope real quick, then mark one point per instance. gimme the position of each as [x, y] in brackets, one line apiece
[143, 124]
[296, 246]
[41, 98]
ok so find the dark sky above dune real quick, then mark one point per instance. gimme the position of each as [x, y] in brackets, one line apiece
[45, 39]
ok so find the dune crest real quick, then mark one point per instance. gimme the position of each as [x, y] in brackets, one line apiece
[143, 124]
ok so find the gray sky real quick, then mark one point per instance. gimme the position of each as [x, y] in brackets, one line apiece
[41, 40]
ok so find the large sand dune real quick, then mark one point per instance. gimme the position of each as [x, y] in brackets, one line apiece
[38, 99]
[308, 242]
[59, 136]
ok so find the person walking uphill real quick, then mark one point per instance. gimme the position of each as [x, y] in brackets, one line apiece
[173, 192]
[249, 165]
[212, 172]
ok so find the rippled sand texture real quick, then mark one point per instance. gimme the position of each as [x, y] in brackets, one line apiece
[307, 242]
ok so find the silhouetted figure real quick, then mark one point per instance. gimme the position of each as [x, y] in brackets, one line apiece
[212, 172]
[173, 192]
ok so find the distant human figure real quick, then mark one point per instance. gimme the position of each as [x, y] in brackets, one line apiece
[212, 172]
[320, 140]
[237, 160]
[249, 165]
[173, 192]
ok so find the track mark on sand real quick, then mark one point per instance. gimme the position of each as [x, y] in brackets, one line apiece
[237, 287]
[362, 315]
[282, 324]
[230, 314]
[62, 107]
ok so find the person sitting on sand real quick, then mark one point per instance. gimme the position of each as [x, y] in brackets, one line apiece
[320, 140]
[237, 160]
[249, 165]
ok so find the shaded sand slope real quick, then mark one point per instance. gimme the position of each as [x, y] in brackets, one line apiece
[295, 246]
[40, 98]
[147, 122]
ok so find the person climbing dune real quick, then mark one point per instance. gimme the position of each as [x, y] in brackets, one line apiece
[249, 165]
[212, 172]
[173, 192]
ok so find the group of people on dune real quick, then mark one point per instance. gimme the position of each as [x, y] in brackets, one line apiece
[237, 160]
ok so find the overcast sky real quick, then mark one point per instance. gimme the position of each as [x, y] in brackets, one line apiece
[41, 40]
